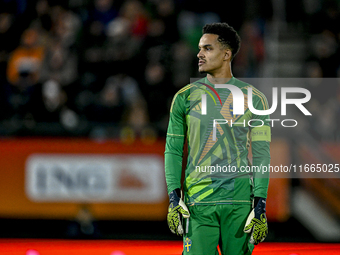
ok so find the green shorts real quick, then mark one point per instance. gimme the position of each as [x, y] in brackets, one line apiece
[213, 225]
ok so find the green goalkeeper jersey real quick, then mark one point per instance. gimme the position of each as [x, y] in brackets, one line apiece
[217, 169]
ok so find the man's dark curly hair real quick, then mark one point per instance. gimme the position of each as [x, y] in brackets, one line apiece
[227, 36]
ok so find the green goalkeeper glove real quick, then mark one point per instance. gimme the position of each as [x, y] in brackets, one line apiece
[177, 210]
[256, 223]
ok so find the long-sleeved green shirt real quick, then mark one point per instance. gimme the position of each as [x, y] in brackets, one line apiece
[218, 169]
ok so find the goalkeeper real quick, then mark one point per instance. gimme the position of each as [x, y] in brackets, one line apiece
[225, 208]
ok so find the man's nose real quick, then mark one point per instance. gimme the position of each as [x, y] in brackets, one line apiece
[200, 54]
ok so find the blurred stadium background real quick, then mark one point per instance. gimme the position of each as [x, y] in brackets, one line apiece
[85, 89]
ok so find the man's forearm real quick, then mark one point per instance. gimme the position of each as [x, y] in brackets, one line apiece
[261, 158]
[173, 171]
[173, 157]
[261, 179]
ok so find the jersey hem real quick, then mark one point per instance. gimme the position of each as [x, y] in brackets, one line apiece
[220, 202]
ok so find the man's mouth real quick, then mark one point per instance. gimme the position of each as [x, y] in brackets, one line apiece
[201, 62]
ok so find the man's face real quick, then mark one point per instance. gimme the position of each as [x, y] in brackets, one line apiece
[211, 54]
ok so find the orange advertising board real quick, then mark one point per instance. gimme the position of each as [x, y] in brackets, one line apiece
[57, 178]
[54, 178]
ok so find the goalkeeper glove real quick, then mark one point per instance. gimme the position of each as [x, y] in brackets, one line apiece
[256, 223]
[177, 210]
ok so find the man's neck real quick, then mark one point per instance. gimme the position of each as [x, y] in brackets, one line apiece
[218, 80]
[221, 76]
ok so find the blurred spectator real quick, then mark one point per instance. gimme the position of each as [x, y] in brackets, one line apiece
[325, 50]
[65, 25]
[23, 72]
[325, 18]
[42, 16]
[25, 61]
[120, 94]
[166, 12]
[51, 106]
[50, 99]
[6, 46]
[136, 119]
[102, 12]
[324, 103]
[155, 38]
[157, 91]
[7, 37]
[133, 12]
[60, 64]
[325, 37]
[182, 62]
[93, 41]
[250, 57]
[126, 33]
[9, 40]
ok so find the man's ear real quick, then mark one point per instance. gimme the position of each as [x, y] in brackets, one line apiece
[228, 54]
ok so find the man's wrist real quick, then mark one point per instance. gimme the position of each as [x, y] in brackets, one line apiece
[175, 195]
[259, 206]
[256, 201]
